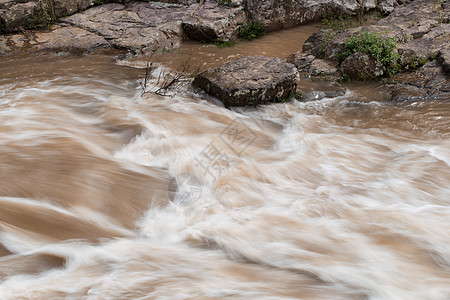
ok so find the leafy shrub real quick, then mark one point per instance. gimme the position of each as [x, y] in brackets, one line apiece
[327, 39]
[252, 30]
[42, 22]
[376, 45]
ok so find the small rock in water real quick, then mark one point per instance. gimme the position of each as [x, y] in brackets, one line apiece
[250, 81]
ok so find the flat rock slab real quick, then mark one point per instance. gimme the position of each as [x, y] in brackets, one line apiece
[60, 39]
[134, 27]
[70, 39]
[250, 81]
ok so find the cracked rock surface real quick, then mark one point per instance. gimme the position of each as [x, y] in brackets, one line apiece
[249, 81]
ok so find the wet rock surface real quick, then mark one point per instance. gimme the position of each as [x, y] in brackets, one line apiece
[136, 27]
[249, 81]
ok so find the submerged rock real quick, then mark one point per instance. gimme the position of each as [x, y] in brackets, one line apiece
[250, 81]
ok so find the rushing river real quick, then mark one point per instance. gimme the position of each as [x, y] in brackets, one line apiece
[107, 194]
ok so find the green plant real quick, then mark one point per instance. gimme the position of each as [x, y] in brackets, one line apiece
[377, 45]
[432, 56]
[225, 2]
[222, 43]
[292, 95]
[252, 30]
[42, 22]
[415, 63]
[283, 99]
[378, 16]
[328, 37]
[297, 95]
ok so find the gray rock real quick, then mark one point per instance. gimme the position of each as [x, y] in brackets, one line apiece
[301, 61]
[69, 7]
[324, 67]
[361, 66]
[15, 15]
[69, 39]
[213, 22]
[249, 81]
[387, 6]
[137, 27]
[315, 44]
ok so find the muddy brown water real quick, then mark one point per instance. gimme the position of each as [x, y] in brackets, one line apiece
[345, 197]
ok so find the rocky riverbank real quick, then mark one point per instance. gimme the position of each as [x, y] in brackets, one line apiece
[420, 29]
[145, 26]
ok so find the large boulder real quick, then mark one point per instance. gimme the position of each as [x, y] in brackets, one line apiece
[250, 81]
[14, 14]
[213, 22]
